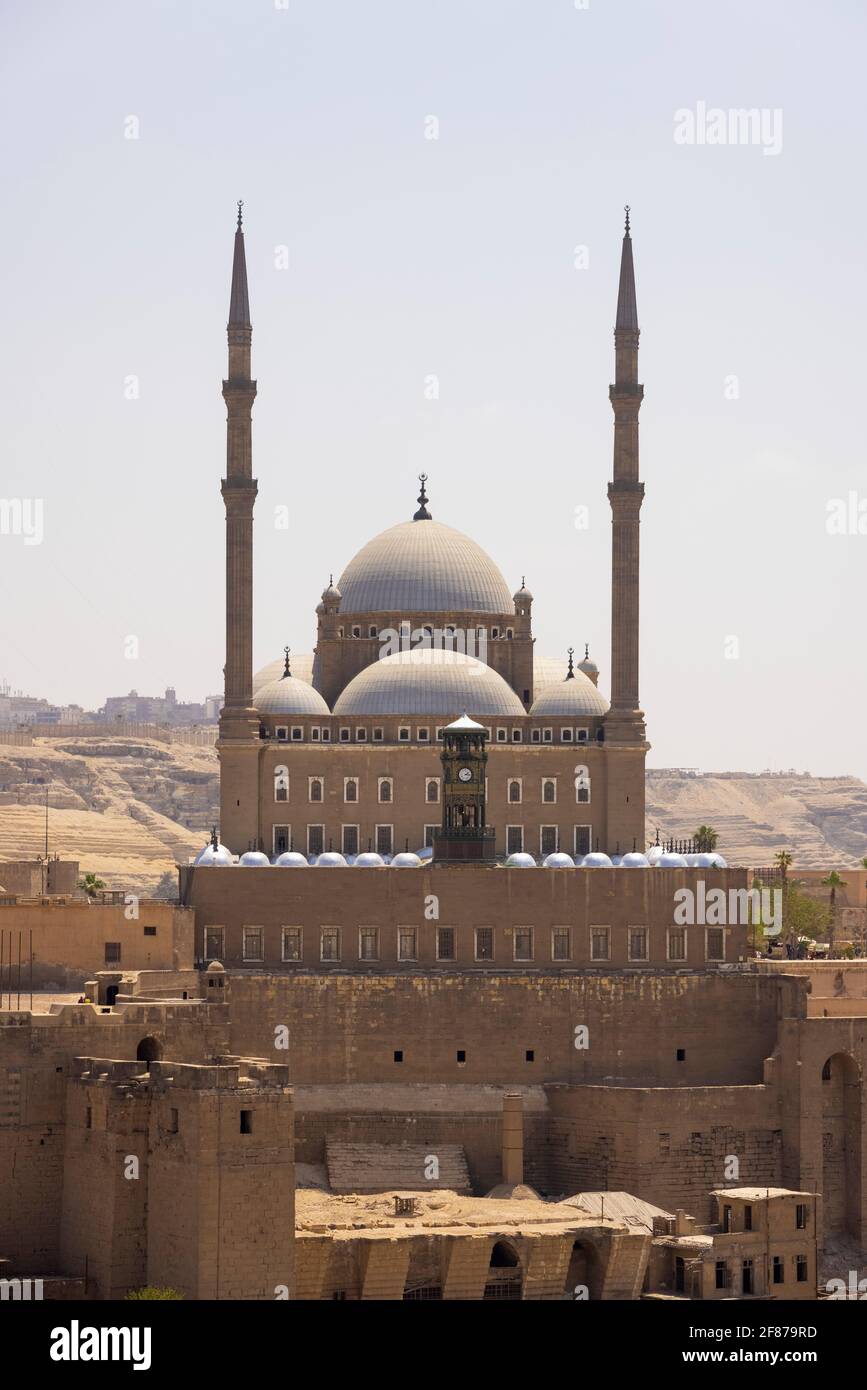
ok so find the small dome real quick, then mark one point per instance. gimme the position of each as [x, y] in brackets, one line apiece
[692, 860]
[523, 595]
[406, 860]
[254, 859]
[302, 670]
[588, 666]
[331, 859]
[558, 860]
[634, 860]
[332, 594]
[287, 696]
[597, 860]
[369, 860]
[291, 859]
[520, 861]
[214, 856]
[654, 854]
[574, 697]
[717, 861]
[670, 860]
[428, 680]
[215, 968]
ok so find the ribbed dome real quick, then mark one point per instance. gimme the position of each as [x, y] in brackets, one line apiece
[289, 695]
[423, 567]
[428, 680]
[568, 698]
[302, 670]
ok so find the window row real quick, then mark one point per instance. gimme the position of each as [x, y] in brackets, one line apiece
[295, 733]
[312, 840]
[385, 788]
[524, 943]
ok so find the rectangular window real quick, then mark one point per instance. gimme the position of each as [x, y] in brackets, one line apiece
[368, 943]
[112, 953]
[297, 733]
[801, 1266]
[722, 1274]
[407, 943]
[548, 839]
[522, 943]
[214, 943]
[403, 734]
[384, 838]
[282, 732]
[561, 943]
[439, 733]
[173, 1120]
[360, 735]
[349, 839]
[315, 839]
[281, 839]
[246, 1122]
[582, 839]
[150, 931]
[514, 839]
[748, 1218]
[801, 1216]
[429, 833]
[600, 943]
[445, 943]
[378, 735]
[676, 943]
[292, 943]
[423, 735]
[329, 944]
[580, 735]
[565, 735]
[484, 943]
[779, 1271]
[716, 949]
[345, 735]
[637, 937]
[254, 943]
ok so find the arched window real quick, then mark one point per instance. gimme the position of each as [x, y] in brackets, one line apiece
[432, 790]
[315, 788]
[385, 789]
[281, 783]
[350, 789]
[515, 791]
[549, 789]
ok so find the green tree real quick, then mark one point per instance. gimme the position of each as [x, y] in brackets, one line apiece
[706, 839]
[833, 881]
[152, 1293]
[807, 916]
[91, 884]
[783, 859]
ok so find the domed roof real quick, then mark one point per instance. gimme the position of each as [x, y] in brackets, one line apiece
[302, 670]
[634, 860]
[369, 859]
[574, 696]
[596, 860]
[423, 567]
[406, 860]
[331, 859]
[428, 680]
[214, 856]
[290, 859]
[520, 860]
[289, 695]
[558, 860]
[254, 859]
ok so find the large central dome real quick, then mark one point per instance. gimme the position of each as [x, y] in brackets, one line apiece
[428, 680]
[423, 567]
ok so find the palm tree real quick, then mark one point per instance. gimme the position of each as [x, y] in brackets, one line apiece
[833, 881]
[706, 839]
[91, 884]
[783, 859]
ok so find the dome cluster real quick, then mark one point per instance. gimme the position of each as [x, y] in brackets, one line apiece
[218, 855]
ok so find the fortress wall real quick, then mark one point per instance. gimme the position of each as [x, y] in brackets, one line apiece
[347, 1028]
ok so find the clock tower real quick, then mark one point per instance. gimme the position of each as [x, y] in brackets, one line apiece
[465, 836]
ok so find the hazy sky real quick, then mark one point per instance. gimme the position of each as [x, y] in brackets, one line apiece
[455, 257]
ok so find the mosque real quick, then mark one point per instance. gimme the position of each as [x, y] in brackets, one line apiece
[339, 752]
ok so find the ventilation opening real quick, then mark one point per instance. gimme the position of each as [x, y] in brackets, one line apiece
[246, 1122]
[461, 1055]
[398, 1056]
[529, 1055]
[681, 1054]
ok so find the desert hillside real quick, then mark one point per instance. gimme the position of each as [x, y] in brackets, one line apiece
[130, 809]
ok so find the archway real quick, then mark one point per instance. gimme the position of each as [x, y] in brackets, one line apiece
[505, 1278]
[111, 994]
[150, 1049]
[841, 1145]
[585, 1270]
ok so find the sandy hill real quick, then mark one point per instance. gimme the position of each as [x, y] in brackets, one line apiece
[129, 809]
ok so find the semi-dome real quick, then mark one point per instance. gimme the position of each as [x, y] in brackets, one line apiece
[428, 680]
[423, 567]
[254, 859]
[289, 695]
[290, 859]
[574, 697]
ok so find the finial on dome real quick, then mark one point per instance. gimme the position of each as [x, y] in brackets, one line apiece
[570, 674]
[286, 671]
[215, 842]
[586, 650]
[422, 514]
[240, 214]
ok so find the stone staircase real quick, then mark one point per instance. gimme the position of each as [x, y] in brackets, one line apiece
[364, 1168]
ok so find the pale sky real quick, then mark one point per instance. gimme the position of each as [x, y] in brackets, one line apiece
[454, 257]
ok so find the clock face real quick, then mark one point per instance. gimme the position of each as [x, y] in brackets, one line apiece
[465, 774]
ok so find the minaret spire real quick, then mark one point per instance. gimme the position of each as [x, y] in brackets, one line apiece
[625, 721]
[239, 722]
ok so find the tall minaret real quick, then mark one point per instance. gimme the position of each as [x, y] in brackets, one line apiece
[239, 722]
[625, 722]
